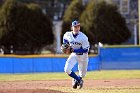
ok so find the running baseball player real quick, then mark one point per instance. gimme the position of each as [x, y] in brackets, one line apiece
[76, 43]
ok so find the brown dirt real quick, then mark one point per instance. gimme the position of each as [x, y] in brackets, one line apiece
[41, 86]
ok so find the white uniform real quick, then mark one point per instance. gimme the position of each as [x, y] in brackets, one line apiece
[80, 41]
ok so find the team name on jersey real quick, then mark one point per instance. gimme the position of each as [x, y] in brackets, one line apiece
[75, 43]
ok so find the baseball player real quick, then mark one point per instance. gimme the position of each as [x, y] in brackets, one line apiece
[78, 49]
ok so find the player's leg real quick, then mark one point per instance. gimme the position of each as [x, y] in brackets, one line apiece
[82, 67]
[71, 61]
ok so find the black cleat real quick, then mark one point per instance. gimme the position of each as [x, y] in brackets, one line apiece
[80, 84]
[74, 84]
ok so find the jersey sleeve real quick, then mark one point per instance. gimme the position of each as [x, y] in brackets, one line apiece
[65, 40]
[85, 43]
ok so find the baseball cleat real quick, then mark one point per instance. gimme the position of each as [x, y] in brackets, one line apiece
[80, 84]
[74, 84]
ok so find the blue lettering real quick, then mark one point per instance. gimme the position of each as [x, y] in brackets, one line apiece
[75, 43]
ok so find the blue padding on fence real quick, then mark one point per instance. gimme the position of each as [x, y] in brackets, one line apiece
[120, 58]
[6, 65]
[22, 65]
[58, 64]
[109, 58]
[120, 54]
[42, 64]
[94, 63]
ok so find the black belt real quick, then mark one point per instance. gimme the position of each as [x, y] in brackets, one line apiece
[79, 53]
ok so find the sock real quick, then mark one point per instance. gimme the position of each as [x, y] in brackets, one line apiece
[79, 77]
[73, 75]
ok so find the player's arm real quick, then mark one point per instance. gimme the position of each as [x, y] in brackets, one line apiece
[65, 40]
[65, 47]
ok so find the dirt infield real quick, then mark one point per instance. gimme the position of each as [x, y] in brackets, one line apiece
[43, 86]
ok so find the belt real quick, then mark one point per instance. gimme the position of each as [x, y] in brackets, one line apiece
[79, 53]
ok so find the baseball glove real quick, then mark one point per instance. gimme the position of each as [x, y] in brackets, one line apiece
[65, 48]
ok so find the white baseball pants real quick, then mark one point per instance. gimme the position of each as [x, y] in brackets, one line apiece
[82, 63]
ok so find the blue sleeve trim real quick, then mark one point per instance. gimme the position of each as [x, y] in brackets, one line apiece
[81, 50]
[65, 41]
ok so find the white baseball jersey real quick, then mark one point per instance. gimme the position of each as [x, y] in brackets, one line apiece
[80, 41]
[77, 42]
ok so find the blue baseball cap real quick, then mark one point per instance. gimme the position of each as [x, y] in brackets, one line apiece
[75, 23]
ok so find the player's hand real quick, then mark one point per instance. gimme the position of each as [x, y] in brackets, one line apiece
[65, 48]
[67, 51]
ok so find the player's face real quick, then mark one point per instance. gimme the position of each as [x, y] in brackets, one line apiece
[76, 29]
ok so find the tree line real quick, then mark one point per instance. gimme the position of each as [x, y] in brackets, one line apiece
[24, 28]
[100, 21]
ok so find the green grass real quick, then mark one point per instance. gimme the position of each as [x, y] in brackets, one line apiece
[114, 74]
[105, 74]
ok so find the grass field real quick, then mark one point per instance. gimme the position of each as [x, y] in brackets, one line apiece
[93, 75]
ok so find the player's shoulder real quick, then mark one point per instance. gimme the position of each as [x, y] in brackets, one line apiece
[68, 33]
[83, 35]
